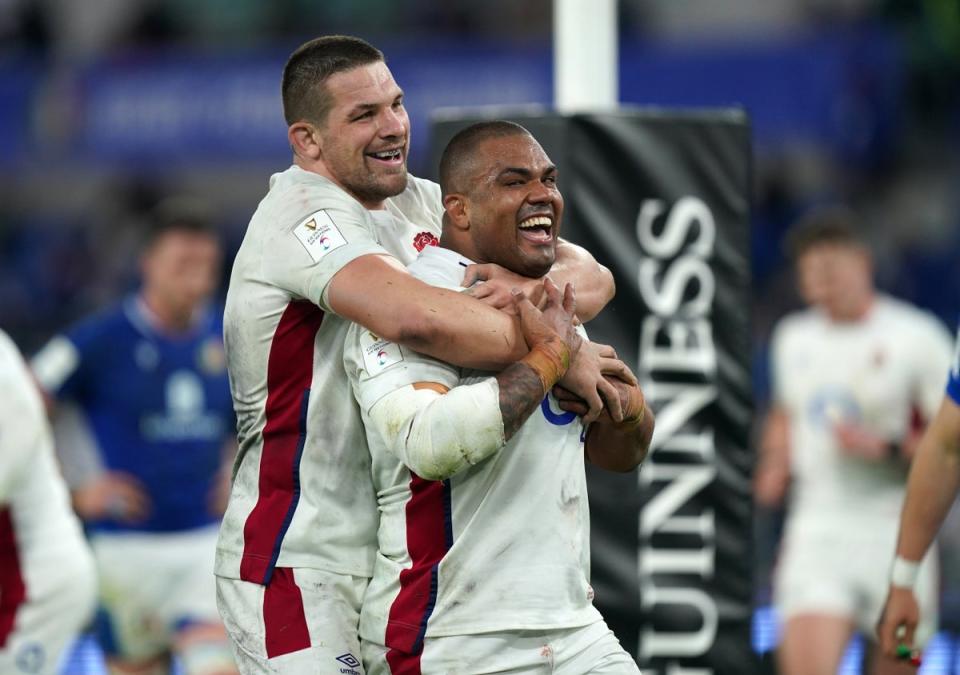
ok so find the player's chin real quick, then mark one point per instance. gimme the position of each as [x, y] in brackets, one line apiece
[394, 182]
[536, 263]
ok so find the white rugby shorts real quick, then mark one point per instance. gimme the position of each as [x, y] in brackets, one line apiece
[304, 621]
[824, 568]
[572, 651]
[154, 585]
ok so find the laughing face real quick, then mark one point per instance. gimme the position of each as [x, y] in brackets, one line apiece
[365, 137]
[514, 207]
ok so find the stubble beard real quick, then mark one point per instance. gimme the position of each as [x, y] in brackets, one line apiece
[371, 187]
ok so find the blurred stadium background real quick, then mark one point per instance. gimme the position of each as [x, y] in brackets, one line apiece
[107, 105]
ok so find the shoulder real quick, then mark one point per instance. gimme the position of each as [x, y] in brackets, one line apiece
[296, 195]
[107, 324]
[908, 318]
[421, 196]
[796, 325]
[14, 379]
[9, 355]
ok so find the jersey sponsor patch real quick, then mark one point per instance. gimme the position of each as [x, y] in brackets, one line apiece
[319, 235]
[378, 354]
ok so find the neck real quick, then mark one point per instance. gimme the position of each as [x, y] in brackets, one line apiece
[452, 239]
[320, 169]
[165, 318]
[855, 311]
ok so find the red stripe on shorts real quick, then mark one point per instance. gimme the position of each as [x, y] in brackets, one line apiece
[289, 374]
[284, 619]
[428, 539]
[13, 591]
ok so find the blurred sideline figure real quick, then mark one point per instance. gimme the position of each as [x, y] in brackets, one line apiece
[47, 581]
[855, 377]
[931, 490]
[149, 379]
[469, 575]
[327, 246]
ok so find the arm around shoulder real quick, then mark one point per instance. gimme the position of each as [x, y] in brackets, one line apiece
[378, 293]
[594, 282]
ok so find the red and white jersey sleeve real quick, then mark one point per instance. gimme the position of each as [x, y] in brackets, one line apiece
[884, 373]
[302, 495]
[501, 545]
[42, 547]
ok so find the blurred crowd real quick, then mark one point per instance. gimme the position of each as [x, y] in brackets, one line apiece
[69, 232]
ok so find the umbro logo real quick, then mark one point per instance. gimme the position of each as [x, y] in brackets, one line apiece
[351, 662]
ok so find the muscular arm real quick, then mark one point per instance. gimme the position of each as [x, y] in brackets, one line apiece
[594, 282]
[933, 484]
[621, 446]
[376, 292]
[931, 489]
[436, 432]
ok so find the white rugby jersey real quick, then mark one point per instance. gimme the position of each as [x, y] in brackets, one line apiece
[501, 545]
[881, 372]
[41, 542]
[301, 495]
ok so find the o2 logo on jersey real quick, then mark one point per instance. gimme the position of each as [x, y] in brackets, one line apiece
[834, 405]
[560, 418]
[30, 658]
[184, 394]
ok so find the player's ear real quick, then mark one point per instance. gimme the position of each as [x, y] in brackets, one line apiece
[305, 140]
[455, 205]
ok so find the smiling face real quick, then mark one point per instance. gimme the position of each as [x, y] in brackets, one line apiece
[511, 205]
[364, 139]
[837, 277]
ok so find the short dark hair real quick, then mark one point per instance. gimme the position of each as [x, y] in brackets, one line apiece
[304, 95]
[180, 213]
[824, 225]
[460, 149]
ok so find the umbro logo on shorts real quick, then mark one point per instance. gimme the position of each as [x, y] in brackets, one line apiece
[351, 662]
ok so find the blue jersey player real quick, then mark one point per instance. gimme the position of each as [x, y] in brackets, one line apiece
[932, 488]
[149, 379]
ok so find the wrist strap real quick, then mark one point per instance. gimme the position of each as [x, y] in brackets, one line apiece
[904, 573]
[549, 360]
[634, 410]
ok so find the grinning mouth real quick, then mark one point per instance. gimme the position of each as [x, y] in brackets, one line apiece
[538, 230]
[544, 223]
[387, 155]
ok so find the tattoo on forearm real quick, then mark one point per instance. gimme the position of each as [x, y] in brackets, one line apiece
[520, 394]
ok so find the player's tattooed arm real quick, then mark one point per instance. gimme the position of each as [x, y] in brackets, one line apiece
[520, 393]
[553, 341]
[437, 432]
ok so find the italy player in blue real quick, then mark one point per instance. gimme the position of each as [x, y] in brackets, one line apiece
[149, 381]
[931, 490]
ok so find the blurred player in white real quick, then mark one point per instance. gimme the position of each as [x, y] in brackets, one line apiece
[855, 377]
[326, 246]
[931, 490]
[484, 549]
[47, 580]
[149, 377]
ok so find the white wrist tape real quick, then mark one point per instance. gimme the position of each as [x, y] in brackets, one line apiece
[436, 435]
[904, 573]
